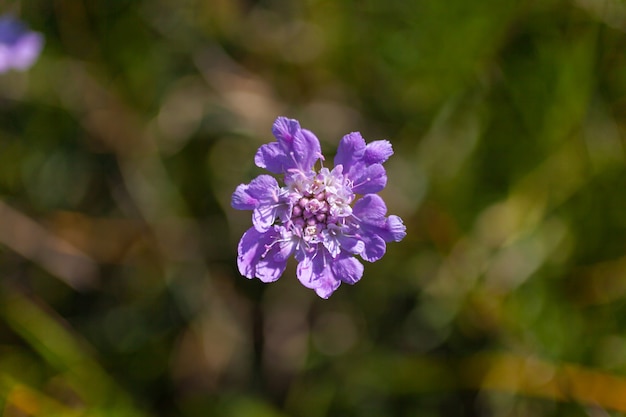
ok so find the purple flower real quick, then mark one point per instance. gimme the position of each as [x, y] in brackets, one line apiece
[316, 216]
[19, 47]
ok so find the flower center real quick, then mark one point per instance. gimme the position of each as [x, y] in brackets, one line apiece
[319, 201]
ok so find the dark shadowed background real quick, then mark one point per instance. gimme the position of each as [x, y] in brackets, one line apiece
[121, 146]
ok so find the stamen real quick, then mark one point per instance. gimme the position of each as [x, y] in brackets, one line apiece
[269, 247]
[368, 179]
[293, 157]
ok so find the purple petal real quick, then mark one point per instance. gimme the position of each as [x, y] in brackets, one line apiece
[374, 228]
[19, 47]
[271, 157]
[375, 246]
[242, 200]
[264, 187]
[247, 196]
[395, 230]
[5, 58]
[332, 244]
[263, 255]
[352, 245]
[377, 152]
[369, 180]
[26, 51]
[336, 244]
[264, 197]
[370, 209]
[11, 29]
[294, 149]
[263, 217]
[324, 274]
[285, 129]
[315, 273]
[350, 151]
[348, 269]
[307, 150]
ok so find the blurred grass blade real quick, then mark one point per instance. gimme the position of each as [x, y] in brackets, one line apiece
[62, 349]
[24, 236]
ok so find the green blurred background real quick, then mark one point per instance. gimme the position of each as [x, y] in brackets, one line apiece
[120, 148]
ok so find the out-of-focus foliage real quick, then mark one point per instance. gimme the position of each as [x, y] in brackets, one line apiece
[121, 146]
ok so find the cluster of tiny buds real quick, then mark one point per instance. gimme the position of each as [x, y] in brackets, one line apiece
[309, 215]
[310, 210]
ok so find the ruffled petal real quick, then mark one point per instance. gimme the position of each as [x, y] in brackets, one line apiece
[242, 200]
[332, 244]
[307, 150]
[324, 274]
[264, 197]
[370, 209]
[374, 229]
[263, 255]
[270, 156]
[264, 187]
[351, 244]
[350, 151]
[377, 152]
[263, 217]
[315, 273]
[395, 230]
[294, 149]
[348, 270]
[249, 196]
[370, 179]
[374, 246]
[337, 239]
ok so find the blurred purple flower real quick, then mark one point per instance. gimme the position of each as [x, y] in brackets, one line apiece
[316, 216]
[19, 47]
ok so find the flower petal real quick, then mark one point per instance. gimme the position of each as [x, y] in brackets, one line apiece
[294, 149]
[395, 230]
[264, 187]
[242, 200]
[375, 246]
[26, 51]
[377, 152]
[248, 196]
[351, 244]
[284, 129]
[370, 209]
[264, 197]
[374, 228]
[332, 244]
[348, 269]
[368, 180]
[19, 47]
[270, 156]
[350, 151]
[315, 272]
[262, 255]
[307, 150]
[263, 217]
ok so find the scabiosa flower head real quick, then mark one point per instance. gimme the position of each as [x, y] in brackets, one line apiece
[19, 47]
[323, 218]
